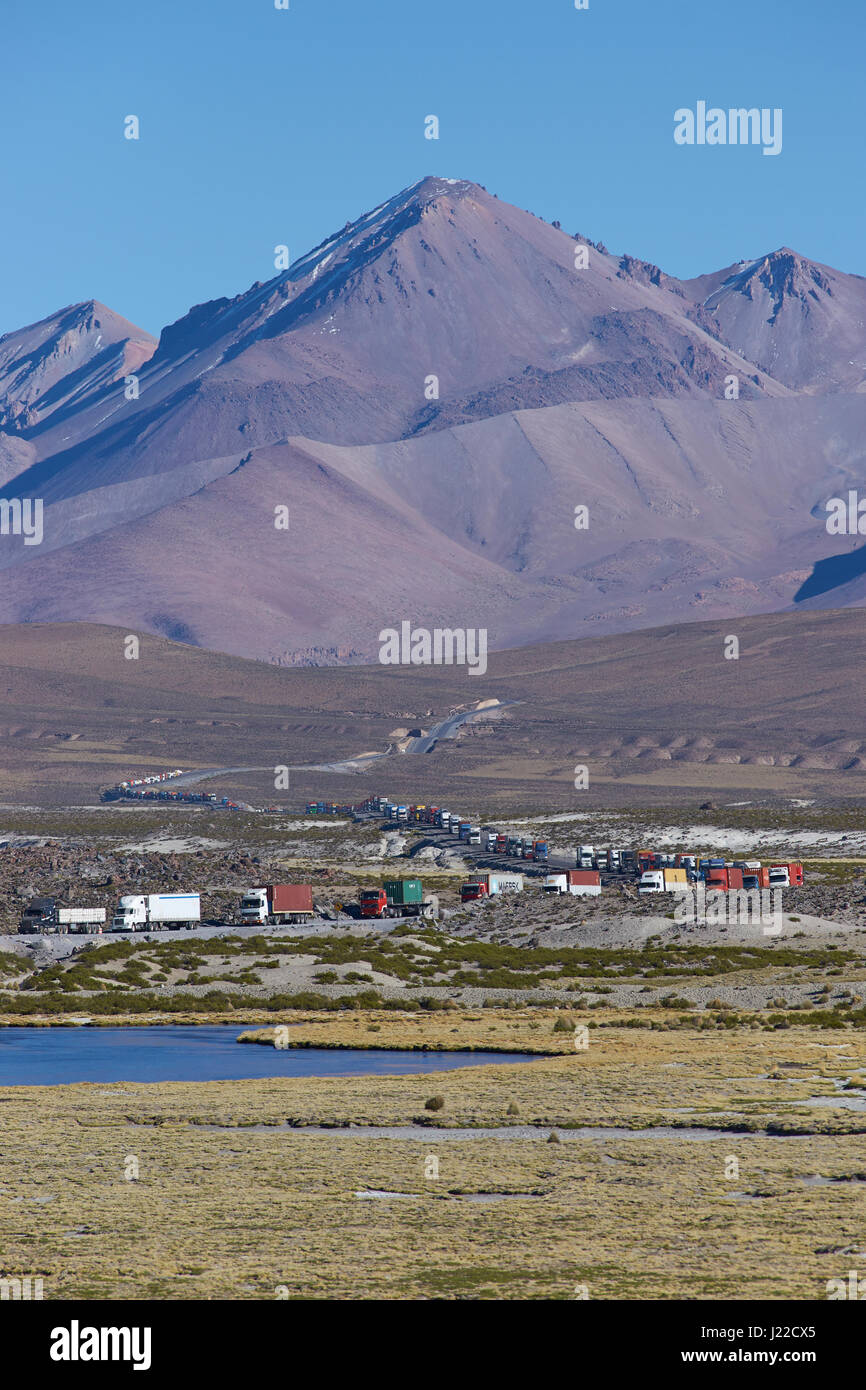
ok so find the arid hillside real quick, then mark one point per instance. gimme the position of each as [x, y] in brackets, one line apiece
[653, 715]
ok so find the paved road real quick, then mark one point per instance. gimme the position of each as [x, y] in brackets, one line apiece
[446, 728]
[59, 947]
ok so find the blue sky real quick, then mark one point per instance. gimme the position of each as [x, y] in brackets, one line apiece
[261, 127]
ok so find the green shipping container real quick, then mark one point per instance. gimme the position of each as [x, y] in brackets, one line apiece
[401, 891]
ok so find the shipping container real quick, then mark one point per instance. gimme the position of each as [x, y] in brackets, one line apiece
[499, 883]
[403, 892]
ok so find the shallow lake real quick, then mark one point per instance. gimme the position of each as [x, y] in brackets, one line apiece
[62, 1056]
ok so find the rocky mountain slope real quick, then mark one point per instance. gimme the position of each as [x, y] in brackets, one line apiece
[431, 394]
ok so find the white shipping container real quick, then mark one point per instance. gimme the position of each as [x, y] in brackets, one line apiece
[174, 907]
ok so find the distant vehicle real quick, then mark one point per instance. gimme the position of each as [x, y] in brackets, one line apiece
[141, 912]
[540, 851]
[585, 857]
[577, 882]
[488, 885]
[277, 903]
[46, 915]
[474, 835]
[795, 875]
[664, 881]
[398, 897]
[723, 878]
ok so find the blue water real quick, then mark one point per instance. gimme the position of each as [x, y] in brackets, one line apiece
[62, 1056]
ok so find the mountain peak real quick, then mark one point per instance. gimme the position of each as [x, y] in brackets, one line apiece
[64, 357]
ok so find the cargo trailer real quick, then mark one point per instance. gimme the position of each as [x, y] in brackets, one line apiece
[274, 904]
[146, 911]
[579, 883]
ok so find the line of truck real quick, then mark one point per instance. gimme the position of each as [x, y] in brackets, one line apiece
[484, 837]
[271, 904]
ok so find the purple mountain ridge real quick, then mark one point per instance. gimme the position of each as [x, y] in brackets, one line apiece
[431, 393]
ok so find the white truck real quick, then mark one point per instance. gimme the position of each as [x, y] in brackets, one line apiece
[579, 883]
[663, 881]
[155, 911]
[585, 857]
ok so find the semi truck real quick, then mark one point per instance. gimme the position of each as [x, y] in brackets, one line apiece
[663, 881]
[760, 878]
[273, 904]
[786, 875]
[725, 878]
[540, 851]
[146, 911]
[585, 857]
[398, 897]
[47, 915]
[577, 882]
[489, 885]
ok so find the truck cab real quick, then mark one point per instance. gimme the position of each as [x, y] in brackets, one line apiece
[40, 915]
[652, 881]
[472, 892]
[130, 914]
[373, 902]
[555, 883]
[254, 906]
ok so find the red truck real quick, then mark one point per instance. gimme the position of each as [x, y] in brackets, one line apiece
[727, 880]
[501, 842]
[374, 902]
[795, 875]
